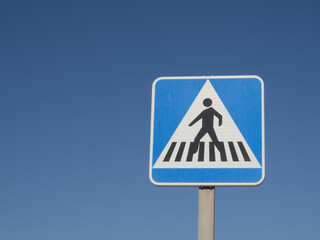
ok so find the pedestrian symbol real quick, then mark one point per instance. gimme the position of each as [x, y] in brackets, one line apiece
[207, 146]
[207, 117]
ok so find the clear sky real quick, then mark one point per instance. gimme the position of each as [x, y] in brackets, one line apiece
[75, 103]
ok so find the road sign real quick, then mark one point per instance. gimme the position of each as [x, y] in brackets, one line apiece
[207, 131]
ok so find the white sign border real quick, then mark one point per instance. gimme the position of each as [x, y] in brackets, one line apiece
[190, 184]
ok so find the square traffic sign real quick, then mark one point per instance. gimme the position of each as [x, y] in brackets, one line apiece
[207, 131]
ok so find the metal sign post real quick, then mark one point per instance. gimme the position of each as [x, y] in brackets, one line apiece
[206, 213]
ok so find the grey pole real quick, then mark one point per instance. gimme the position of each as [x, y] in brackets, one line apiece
[206, 213]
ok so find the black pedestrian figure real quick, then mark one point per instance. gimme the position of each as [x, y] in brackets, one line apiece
[207, 117]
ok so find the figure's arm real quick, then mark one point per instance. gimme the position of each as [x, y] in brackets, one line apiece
[219, 116]
[195, 120]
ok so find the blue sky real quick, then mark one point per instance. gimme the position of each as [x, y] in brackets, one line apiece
[75, 101]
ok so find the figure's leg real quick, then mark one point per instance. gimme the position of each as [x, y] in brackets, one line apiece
[213, 136]
[200, 135]
[195, 144]
[218, 144]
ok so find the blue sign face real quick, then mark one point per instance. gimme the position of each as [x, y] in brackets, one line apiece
[207, 131]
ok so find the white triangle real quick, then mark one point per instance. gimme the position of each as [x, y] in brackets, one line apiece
[227, 132]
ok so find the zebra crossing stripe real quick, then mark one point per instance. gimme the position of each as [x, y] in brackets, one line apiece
[211, 150]
[180, 152]
[201, 152]
[222, 151]
[233, 152]
[244, 152]
[191, 152]
[169, 153]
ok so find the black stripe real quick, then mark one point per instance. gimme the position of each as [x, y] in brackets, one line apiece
[222, 150]
[212, 156]
[180, 152]
[233, 152]
[244, 152]
[201, 152]
[192, 149]
[169, 153]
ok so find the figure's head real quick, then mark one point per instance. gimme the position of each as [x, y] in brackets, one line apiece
[207, 102]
